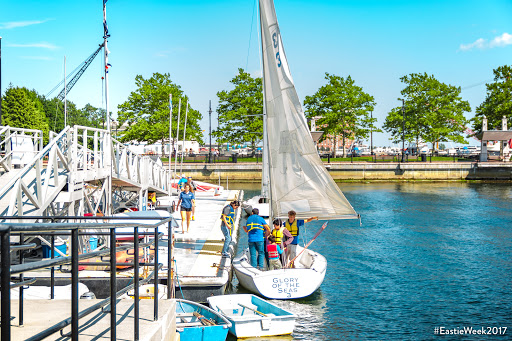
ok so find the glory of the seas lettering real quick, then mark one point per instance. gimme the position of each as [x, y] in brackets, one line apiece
[286, 285]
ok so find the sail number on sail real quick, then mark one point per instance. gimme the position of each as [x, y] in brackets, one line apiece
[276, 44]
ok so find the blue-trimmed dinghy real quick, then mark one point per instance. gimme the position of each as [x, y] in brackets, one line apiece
[194, 322]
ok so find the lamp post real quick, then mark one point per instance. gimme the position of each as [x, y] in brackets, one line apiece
[0, 81]
[210, 150]
[371, 134]
[403, 130]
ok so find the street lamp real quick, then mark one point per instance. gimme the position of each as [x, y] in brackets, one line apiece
[210, 152]
[403, 130]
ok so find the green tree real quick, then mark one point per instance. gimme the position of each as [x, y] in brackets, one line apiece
[345, 109]
[146, 112]
[21, 109]
[498, 102]
[241, 111]
[434, 111]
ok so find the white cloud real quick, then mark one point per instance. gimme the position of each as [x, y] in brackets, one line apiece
[503, 40]
[478, 44]
[16, 24]
[481, 43]
[43, 45]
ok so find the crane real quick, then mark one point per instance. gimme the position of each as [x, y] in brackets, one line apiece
[75, 74]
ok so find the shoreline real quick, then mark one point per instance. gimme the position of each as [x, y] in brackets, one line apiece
[365, 172]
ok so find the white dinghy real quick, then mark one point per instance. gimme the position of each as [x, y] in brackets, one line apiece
[293, 174]
[251, 316]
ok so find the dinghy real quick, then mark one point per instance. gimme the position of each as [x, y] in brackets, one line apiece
[252, 316]
[196, 322]
[293, 176]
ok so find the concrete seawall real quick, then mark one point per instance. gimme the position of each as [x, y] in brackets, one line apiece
[435, 171]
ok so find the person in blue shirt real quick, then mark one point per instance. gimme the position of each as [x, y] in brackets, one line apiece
[187, 201]
[257, 228]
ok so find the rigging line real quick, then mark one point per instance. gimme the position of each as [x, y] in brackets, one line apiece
[250, 36]
[475, 85]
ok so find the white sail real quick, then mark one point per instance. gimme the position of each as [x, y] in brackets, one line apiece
[298, 178]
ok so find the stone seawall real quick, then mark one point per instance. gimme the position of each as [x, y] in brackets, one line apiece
[251, 172]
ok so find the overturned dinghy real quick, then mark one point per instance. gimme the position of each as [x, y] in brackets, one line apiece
[301, 281]
[251, 316]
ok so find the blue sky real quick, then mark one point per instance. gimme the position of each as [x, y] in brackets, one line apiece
[203, 43]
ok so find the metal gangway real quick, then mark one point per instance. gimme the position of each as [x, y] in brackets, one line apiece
[81, 170]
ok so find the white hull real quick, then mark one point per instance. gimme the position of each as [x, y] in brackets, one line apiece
[245, 322]
[264, 208]
[293, 283]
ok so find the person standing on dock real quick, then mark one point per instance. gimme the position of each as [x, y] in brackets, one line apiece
[257, 228]
[182, 182]
[187, 201]
[227, 225]
[193, 190]
[293, 225]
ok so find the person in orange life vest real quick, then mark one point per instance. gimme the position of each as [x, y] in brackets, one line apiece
[293, 225]
[283, 237]
[274, 251]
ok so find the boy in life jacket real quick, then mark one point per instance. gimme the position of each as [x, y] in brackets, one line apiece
[283, 237]
[273, 254]
[293, 225]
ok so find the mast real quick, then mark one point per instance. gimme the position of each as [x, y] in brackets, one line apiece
[170, 140]
[65, 100]
[184, 132]
[265, 179]
[106, 35]
[177, 136]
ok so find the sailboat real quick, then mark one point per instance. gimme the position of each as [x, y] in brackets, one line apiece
[298, 180]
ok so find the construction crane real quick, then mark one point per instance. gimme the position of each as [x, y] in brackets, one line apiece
[75, 74]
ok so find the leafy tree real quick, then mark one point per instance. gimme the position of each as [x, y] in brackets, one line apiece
[498, 102]
[241, 111]
[345, 109]
[434, 111]
[21, 109]
[146, 111]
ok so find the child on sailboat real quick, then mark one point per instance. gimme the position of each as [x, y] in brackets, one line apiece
[273, 254]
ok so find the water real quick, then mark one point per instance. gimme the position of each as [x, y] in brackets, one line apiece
[426, 256]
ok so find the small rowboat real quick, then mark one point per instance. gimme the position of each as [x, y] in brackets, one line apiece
[252, 316]
[196, 322]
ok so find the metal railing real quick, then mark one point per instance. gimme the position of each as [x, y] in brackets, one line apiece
[73, 229]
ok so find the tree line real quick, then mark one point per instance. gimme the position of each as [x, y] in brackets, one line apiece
[432, 111]
[429, 110]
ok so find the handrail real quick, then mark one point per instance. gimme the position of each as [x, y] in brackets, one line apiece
[7, 270]
[29, 166]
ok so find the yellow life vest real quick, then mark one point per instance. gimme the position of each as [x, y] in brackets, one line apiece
[278, 234]
[293, 228]
[253, 226]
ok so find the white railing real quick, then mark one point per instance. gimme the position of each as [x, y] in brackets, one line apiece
[18, 146]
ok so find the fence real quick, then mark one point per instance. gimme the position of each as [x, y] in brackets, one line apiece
[73, 229]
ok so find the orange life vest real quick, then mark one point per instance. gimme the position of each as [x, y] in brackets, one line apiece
[272, 251]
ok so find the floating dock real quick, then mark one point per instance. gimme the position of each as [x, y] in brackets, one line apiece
[201, 269]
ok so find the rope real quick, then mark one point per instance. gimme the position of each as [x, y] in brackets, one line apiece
[177, 280]
[250, 36]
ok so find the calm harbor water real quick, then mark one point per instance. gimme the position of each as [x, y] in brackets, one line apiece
[427, 255]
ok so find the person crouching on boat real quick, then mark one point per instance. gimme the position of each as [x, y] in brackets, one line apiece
[256, 229]
[187, 201]
[274, 252]
[228, 221]
[293, 225]
[283, 237]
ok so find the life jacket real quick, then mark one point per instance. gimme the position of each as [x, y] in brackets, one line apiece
[272, 251]
[293, 228]
[254, 226]
[278, 234]
[230, 218]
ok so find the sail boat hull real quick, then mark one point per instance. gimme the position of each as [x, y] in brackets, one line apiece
[283, 284]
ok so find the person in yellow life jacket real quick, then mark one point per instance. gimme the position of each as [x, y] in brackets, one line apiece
[293, 225]
[274, 251]
[228, 221]
[283, 237]
[256, 228]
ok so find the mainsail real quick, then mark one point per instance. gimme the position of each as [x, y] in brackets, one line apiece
[298, 178]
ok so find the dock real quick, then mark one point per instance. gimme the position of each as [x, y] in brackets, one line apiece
[201, 269]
